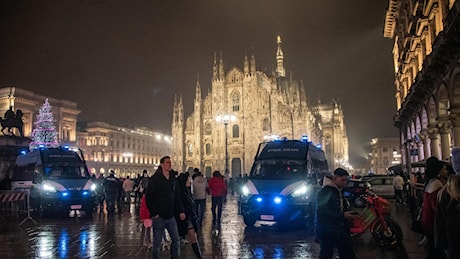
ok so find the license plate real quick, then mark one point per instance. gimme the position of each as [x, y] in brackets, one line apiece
[267, 217]
[75, 207]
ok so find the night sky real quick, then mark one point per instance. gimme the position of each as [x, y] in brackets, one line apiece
[123, 61]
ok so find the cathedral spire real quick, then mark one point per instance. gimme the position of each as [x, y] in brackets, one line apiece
[214, 68]
[246, 64]
[198, 88]
[253, 63]
[280, 72]
[221, 68]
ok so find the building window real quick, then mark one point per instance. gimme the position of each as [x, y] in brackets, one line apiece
[208, 149]
[236, 101]
[386, 161]
[190, 149]
[265, 125]
[236, 131]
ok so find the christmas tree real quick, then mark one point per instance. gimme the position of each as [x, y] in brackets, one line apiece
[44, 133]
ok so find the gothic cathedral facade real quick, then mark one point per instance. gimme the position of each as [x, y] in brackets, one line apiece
[255, 107]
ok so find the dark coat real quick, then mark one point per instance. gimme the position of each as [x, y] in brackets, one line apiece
[330, 206]
[111, 185]
[163, 196]
[188, 202]
[447, 225]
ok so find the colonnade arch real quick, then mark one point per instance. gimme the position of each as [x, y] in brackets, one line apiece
[435, 129]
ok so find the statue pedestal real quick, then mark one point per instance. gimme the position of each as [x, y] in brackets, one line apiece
[10, 148]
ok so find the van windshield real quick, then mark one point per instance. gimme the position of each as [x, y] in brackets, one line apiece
[278, 169]
[65, 172]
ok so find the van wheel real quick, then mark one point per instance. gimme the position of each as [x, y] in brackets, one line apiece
[249, 220]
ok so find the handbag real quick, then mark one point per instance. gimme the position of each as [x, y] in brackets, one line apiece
[416, 224]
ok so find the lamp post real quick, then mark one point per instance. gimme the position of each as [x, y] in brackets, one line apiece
[226, 119]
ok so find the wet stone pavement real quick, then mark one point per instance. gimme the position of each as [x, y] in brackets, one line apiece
[121, 237]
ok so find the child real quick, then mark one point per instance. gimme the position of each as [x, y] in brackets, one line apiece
[144, 215]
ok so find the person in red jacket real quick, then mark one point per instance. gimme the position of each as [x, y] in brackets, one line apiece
[217, 190]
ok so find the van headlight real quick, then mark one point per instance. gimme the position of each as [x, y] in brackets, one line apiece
[245, 190]
[302, 190]
[93, 187]
[48, 187]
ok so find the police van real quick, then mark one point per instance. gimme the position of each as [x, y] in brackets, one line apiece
[57, 179]
[283, 182]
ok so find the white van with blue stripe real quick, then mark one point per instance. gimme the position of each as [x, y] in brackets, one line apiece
[58, 181]
[283, 182]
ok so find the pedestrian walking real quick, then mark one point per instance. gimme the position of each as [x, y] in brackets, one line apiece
[163, 202]
[100, 193]
[398, 185]
[218, 191]
[120, 197]
[333, 217]
[128, 186]
[188, 226]
[144, 216]
[111, 185]
[200, 188]
[136, 188]
[141, 185]
[435, 177]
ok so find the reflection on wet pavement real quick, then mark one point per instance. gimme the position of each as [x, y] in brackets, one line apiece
[121, 237]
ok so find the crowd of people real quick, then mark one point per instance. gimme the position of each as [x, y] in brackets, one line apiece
[440, 210]
[167, 201]
[176, 203]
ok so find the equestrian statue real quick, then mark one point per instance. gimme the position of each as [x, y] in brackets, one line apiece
[11, 121]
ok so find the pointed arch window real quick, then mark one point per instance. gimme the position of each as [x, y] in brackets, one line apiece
[236, 131]
[207, 129]
[236, 101]
[208, 149]
[190, 149]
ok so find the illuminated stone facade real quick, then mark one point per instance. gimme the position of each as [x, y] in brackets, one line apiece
[64, 112]
[127, 151]
[262, 105]
[426, 55]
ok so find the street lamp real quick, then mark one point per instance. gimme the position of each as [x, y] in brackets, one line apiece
[226, 119]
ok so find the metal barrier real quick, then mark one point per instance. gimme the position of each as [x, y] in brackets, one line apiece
[14, 203]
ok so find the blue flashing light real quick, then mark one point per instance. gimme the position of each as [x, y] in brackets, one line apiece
[65, 194]
[41, 146]
[319, 146]
[277, 200]
[23, 152]
[66, 147]
[85, 193]
[304, 138]
[259, 199]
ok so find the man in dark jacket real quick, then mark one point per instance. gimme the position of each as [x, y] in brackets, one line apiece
[111, 185]
[332, 214]
[163, 202]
